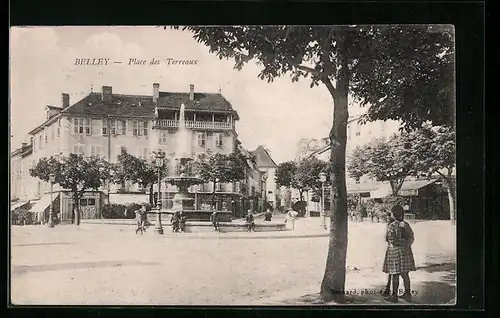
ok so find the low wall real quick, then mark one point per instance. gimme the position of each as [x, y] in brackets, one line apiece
[196, 226]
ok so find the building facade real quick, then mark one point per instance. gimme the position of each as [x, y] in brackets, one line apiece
[267, 167]
[102, 124]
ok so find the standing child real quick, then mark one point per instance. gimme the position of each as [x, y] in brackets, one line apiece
[249, 219]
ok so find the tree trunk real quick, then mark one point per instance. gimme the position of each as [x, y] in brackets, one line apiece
[213, 194]
[448, 183]
[76, 209]
[333, 284]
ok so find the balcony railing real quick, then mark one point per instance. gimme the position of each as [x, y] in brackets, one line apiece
[171, 123]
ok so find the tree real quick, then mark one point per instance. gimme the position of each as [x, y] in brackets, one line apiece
[220, 168]
[387, 67]
[74, 172]
[285, 172]
[435, 149]
[392, 160]
[306, 175]
[136, 170]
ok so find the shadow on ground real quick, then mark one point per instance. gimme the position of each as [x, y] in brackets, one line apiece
[41, 244]
[441, 292]
[23, 269]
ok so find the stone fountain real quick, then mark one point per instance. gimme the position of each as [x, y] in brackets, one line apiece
[181, 176]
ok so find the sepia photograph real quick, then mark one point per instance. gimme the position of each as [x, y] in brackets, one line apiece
[246, 165]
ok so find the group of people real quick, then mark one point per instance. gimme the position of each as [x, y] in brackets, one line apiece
[399, 259]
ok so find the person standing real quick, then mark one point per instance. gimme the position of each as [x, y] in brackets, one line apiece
[182, 221]
[399, 259]
[214, 218]
[268, 215]
[291, 216]
[250, 221]
[140, 217]
[175, 222]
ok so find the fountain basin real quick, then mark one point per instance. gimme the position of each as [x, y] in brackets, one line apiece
[191, 215]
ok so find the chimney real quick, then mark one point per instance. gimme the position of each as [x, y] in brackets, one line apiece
[107, 93]
[24, 145]
[156, 92]
[191, 92]
[65, 100]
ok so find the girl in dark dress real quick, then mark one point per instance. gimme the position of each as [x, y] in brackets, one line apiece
[399, 255]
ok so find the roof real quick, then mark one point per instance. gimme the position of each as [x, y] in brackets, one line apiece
[263, 158]
[416, 184]
[143, 105]
[128, 105]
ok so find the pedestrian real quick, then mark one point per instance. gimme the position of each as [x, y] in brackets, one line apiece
[399, 259]
[214, 218]
[291, 216]
[268, 215]
[387, 290]
[175, 222]
[182, 221]
[250, 221]
[140, 217]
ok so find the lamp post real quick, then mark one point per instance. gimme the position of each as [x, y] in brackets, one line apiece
[322, 179]
[52, 179]
[160, 155]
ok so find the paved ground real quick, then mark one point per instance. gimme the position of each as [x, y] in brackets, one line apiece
[109, 264]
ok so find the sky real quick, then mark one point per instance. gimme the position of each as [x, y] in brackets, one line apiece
[42, 66]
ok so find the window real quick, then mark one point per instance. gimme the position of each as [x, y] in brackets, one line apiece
[45, 137]
[95, 151]
[40, 142]
[118, 126]
[52, 132]
[162, 137]
[83, 202]
[112, 124]
[91, 202]
[123, 125]
[140, 128]
[79, 149]
[104, 127]
[218, 140]
[58, 128]
[358, 133]
[82, 126]
[34, 144]
[201, 139]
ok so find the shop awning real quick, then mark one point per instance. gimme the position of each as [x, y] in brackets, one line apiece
[42, 204]
[18, 204]
[410, 188]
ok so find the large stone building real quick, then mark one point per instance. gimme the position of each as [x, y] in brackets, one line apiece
[103, 123]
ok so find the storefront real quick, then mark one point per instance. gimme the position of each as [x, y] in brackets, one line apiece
[90, 205]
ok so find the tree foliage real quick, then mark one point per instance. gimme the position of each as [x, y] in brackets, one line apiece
[137, 170]
[75, 173]
[401, 72]
[285, 173]
[306, 176]
[220, 168]
[435, 148]
[385, 160]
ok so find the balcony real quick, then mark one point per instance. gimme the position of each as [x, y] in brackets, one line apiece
[171, 123]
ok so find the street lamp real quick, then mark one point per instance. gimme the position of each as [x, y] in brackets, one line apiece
[322, 179]
[160, 155]
[52, 179]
